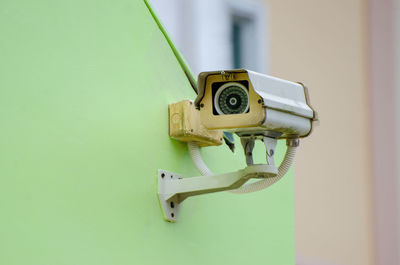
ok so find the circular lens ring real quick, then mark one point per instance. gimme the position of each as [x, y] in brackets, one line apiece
[222, 88]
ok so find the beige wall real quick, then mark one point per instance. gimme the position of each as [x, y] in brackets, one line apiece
[324, 45]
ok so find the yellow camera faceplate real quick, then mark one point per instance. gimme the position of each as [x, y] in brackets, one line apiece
[253, 118]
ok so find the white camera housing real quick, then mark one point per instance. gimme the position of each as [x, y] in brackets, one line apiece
[250, 103]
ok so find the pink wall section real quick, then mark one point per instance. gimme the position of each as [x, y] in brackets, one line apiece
[382, 84]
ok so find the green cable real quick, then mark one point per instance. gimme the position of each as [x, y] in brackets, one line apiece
[228, 137]
[188, 72]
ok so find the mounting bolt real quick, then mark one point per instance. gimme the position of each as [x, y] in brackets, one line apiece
[293, 142]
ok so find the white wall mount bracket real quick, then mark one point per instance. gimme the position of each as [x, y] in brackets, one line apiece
[173, 189]
[171, 207]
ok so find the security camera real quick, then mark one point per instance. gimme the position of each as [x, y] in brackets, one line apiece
[250, 103]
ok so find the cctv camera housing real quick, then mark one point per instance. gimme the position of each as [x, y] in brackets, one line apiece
[250, 103]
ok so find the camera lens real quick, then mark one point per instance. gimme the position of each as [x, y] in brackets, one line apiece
[231, 98]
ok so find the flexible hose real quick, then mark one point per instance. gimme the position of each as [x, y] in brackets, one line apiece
[194, 151]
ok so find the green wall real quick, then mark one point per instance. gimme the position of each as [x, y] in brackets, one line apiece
[84, 92]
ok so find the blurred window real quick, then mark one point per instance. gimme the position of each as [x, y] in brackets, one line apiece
[217, 34]
[243, 45]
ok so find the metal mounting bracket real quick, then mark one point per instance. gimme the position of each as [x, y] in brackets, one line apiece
[270, 145]
[170, 207]
[173, 189]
